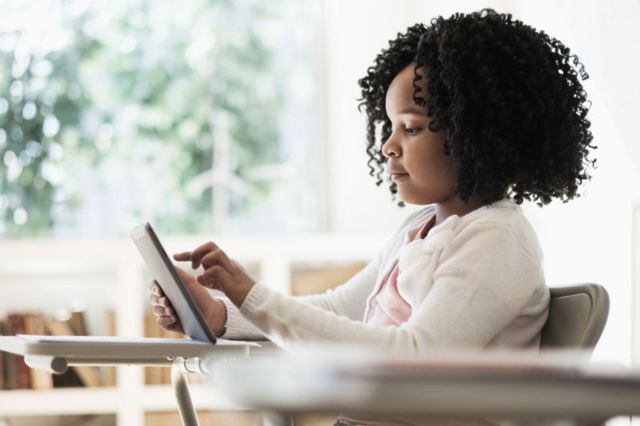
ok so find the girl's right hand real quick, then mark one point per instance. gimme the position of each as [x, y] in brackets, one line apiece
[212, 309]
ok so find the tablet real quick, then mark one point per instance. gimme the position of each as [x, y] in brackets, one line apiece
[162, 270]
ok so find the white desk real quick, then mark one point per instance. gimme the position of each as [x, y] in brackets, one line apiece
[57, 353]
[467, 386]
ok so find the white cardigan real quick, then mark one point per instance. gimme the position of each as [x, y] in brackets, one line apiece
[474, 281]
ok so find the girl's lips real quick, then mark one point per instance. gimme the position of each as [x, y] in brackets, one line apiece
[398, 176]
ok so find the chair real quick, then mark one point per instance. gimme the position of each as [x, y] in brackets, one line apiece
[577, 316]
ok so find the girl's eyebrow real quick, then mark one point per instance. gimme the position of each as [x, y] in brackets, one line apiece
[412, 110]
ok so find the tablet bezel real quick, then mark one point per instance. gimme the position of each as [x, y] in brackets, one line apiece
[196, 330]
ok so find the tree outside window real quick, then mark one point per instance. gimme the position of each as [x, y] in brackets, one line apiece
[198, 117]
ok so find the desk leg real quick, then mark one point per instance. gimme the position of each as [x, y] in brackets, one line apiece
[181, 389]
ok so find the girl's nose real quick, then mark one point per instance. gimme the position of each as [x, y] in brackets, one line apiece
[390, 148]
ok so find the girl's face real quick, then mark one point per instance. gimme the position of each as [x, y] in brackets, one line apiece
[416, 159]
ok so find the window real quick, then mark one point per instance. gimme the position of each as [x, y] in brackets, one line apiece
[199, 117]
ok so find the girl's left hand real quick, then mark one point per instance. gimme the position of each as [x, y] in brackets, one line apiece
[220, 272]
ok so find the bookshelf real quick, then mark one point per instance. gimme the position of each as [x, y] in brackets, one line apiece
[110, 276]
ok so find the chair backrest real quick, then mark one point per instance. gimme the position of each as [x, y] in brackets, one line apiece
[577, 316]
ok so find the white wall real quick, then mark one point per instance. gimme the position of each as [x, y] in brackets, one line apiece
[590, 239]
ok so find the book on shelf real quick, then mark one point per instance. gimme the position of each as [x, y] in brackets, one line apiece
[9, 361]
[19, 375]
[40, 379]
[15, 374]
[90, 376]
[77, 323]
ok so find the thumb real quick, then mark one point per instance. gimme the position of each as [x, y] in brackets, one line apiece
[186, 277]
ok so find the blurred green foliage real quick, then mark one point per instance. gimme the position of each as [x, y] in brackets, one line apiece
[133, 91]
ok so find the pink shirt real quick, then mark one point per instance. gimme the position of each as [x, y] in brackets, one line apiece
[387, 307]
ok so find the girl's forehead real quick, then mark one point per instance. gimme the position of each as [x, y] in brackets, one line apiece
[401, 90]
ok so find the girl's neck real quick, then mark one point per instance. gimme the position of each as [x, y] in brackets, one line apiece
[456, 206]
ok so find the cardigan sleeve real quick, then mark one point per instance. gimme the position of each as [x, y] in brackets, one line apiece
[347, 300]
[483, 282]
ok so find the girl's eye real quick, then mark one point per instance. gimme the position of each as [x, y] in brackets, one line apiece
[412, 130]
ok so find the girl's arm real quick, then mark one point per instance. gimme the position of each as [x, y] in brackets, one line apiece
[485, 279]
[347, 300]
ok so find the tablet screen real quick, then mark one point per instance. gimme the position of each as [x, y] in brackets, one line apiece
[162, 270]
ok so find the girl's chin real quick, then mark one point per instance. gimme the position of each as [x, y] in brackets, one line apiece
[409, 197]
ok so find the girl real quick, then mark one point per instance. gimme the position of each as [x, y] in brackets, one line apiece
[468, 116]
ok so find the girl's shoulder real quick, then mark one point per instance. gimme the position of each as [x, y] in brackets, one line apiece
[504, 212]
[498, 217]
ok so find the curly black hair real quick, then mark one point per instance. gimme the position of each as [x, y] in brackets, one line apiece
[507, 97]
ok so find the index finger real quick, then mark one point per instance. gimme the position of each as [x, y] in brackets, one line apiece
[183, 256]
[200, 252]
